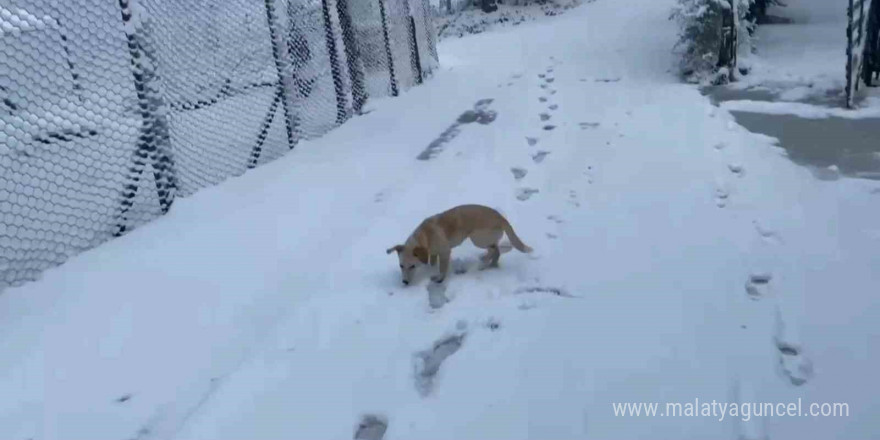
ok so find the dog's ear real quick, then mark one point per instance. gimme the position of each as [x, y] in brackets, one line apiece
[396, 248]
[421, 253]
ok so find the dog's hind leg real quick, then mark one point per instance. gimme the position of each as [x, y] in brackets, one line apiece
[488, 239]
[494, 255]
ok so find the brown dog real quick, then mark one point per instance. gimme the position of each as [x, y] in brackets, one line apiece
[438, 234]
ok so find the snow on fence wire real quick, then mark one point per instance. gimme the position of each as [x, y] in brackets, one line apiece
[109, 110]
[862, 46]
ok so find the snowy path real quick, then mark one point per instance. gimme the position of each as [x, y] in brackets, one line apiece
[677, 257]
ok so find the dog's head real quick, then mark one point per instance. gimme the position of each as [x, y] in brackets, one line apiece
[409, 258]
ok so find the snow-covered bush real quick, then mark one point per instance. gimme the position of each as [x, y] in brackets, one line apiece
[702, 36]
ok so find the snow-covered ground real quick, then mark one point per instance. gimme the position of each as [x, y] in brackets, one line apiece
[677, 257]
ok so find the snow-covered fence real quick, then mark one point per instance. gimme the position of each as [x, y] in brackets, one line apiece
[872, 45]
[111, 109]
[856, 30]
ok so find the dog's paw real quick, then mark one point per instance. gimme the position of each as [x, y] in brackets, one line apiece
[438, 279]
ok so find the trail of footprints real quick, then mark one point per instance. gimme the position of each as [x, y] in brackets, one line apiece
[428, 363]
[793, 365]
[519, 173]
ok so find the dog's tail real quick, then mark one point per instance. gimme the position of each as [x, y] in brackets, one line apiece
[514, 240]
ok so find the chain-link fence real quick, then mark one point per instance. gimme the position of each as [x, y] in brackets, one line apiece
[109, 110]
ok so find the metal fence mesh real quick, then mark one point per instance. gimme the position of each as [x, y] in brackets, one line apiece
[111, 109]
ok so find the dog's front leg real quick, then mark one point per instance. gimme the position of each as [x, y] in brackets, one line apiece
[444, 266]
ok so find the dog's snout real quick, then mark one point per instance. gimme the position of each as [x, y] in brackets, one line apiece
[406, 282]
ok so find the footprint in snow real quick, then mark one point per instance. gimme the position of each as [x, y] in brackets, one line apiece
[549, 290]
[793, 364]
[797, 368]
[527, 305]
[524, 194]
[544, 117]
[519, 173]
[437, 294]
[588, 125]
[758, 285]
[542, 99]
[428, 362]
[573, 199]
[540, 156]
[555, 219]
[549, 127]
[371, 427]
[553, 106]
[531, 141]
[493, 324]
[721, 197]
[736, 169]
[768, 235]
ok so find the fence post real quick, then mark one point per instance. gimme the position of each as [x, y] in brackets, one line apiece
[153, 144]
[416, 62]
[77, 86]
[352, 56]
[284, 79]
[264, 128]
[852, 55]
[388, 54]
[335, 68]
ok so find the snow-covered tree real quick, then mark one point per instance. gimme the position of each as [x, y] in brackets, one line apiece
[703, 36]
[758, 9]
